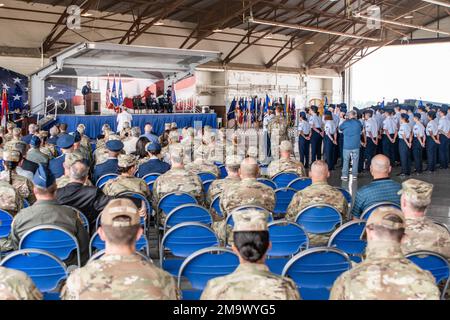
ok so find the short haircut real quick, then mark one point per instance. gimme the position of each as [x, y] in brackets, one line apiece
[45, 191]
[32, 128]
[252, 245]
[124, 169]
[125, 236]
[249, 167]
[319, 167]
[389, 234]
[63, 126]
[54, 131]
[352, 114]
[79, 170]
[135, 132]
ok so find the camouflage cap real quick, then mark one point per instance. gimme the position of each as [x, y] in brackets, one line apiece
[285, 146]
[166, 126]
[113, 137]
[250, 220]
[73, 157]
[11, 155]
[176, 152]
[10, 125]
[126, 160]
[380, 217]
[120, 207]
[81, 128]
[173, 125]
[16, 131]
[43, 134]
[418, 191]
[174, 137]
[233, 161]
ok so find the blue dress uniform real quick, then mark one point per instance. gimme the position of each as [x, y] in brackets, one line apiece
[304, 129]
[341, 141]
[371, 129]
[329, 146]
[316, 138]
[110, 166]
[56, 165]
[389, 131]
[404, 150]
[444, 128]
[154, 165]
[417, 147]
[431, 146]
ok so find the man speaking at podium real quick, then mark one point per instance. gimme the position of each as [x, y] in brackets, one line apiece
[86, 90]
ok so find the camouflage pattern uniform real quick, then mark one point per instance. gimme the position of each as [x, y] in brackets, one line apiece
[126, 184]
[49, 150]
[70, 159]
[217, 186]
[115, 277]
[63, 181]
[385, 274]
[278, 131]
[8, 136]
[251, 281]
[35, 155]
[317, 193]
[200, 165]
[286, 165]
[21, 184]
[10, 199]
[16, 285]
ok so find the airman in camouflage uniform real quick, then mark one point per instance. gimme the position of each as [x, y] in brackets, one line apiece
[120, 276]
[188, 144]
[285, 163]
[173, 141]
[320, 192]
[421, 232]
[85, 140]
[47, 149]
[16, 285]
[277, 129]
[385, 274]
[126, 130]
[21, 184]
[15, 139]
[101, 153]
[69, 160]
[10, 199]
[126, 182]
[251, 280]
[201, 164]
[9, 135]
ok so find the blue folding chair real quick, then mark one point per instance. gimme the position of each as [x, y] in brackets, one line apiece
[53, 239]
[204, 265]
[347, 195]
[6, 220]
[174, 199]
[283, 197]
[97, 244]
[182, 240]
[433, 262]
[268, 183]
[319, 219]
[26, 204]
[44, 268]
[97, 255]
[315, 271]
[348, 239]
[205, 176]
[366, 214]
[150, 179]
[223, 171]
[206, 185]
[93, 146]
[283, 179]
[215, 204]
[288, 239]
[300, 183]
[104, 179]
[187, 213]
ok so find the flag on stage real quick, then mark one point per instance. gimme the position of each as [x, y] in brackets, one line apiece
[231, 112]
[4, 110]
[17, 102]
[173, 96]
[120, 99]
[382, 105]
[114, 99]
[108, 92]
[267, 104]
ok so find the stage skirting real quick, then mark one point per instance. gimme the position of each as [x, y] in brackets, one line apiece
[94, 123]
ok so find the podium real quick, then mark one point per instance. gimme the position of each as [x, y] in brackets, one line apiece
[92, 103]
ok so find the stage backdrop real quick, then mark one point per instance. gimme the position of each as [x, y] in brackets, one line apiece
[16, 86]
[94, 123]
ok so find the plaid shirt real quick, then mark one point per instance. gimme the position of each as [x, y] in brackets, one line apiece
[380, 190]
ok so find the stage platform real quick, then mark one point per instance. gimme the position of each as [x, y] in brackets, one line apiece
[94, 123]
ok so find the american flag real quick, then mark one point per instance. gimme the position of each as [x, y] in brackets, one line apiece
[16, 87]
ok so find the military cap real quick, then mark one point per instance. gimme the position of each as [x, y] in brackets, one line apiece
[76, 135]
[404, 116]
[250, 220]
[11, 155]
[10, 125]
[43, 177]
[174, 137]
[153, 146]
[113, 137]
[252, 152]
[173, 125]
[106, 127]
[17, 131]
[43, 134]
[380, 218]
[35, 141]
[167, 126]
[417, 115]
[52, 140]
[419, 191]
[233, 161]
[120, 207]
[66, 141]
[126, 160]
[81, 128]
[114, 145]
[72, 157]
[285, 145]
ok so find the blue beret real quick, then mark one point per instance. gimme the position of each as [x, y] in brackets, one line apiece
[65, 141]
[114, 145]
[35, 141]
[76, 135]
[153, 146]
[404, 116]
[43, 177]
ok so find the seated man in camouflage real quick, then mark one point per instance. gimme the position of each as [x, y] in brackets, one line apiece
[285, 163]
[201, 164]
[126, 181]
[385, 274]
[232, 165]
[70, 159]
[421, 232]
[120, 274]
[16, 285]
[320, 192]
[252, 279]
[16, 138]
[177, 179]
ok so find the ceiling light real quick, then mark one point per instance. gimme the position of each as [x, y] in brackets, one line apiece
[309, 42]
[159, 23]
[87, 14]
[408, 17]
[217, 30]
[439, 3]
